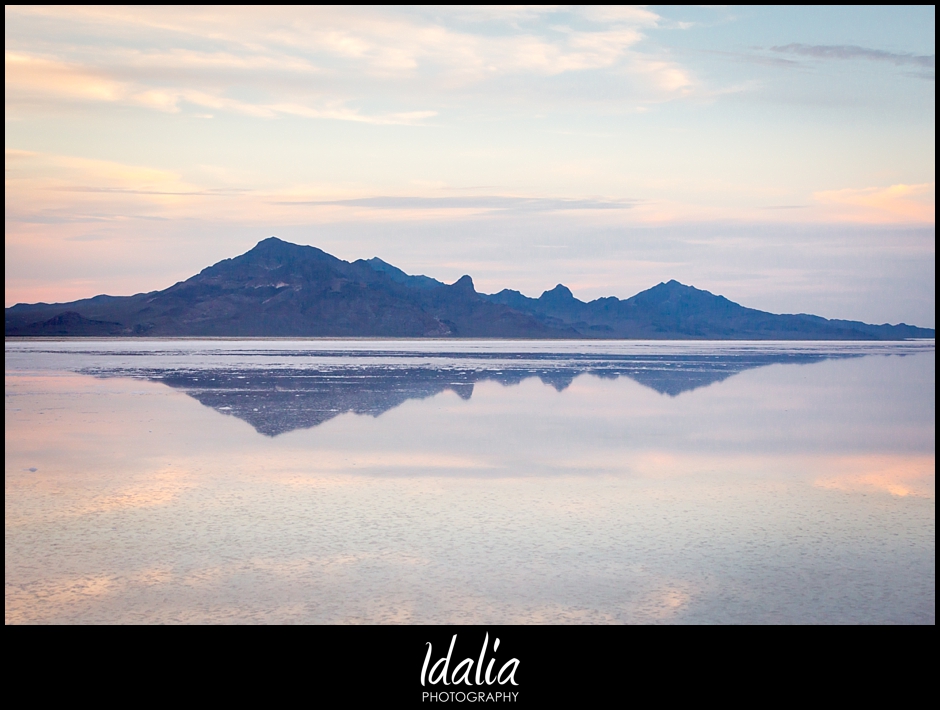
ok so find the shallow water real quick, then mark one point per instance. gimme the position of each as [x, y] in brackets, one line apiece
[385, 481]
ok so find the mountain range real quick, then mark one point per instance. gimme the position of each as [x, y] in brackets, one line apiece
[279, 289]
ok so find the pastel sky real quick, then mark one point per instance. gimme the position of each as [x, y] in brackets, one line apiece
[783, 157]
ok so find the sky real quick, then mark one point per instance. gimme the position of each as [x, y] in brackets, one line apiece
[781, 157]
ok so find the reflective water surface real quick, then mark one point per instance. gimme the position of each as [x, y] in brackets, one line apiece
[327, 481]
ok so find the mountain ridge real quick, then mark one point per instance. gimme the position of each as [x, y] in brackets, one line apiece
[282, 289]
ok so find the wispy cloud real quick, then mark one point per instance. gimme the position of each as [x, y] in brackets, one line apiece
[897, 203]
[852, 52]
[322, 63]
[56, 189]
[485, 202]
[31, 79]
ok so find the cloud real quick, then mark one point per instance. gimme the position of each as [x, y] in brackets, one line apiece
[485, 202]
[69, 197]
[341, 113]
[500, 13]
[668, 77]
[627, 14]
[321, 63]
[33, 78]
[820, 51]
[32, 75]
[897, 203]
[851, 52]
[191, 59]
[56, 189]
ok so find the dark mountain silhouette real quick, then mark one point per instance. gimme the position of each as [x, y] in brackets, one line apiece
[673, 310]
[283, 289]
[276, 401]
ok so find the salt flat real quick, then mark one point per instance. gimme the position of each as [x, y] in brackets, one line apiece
[327, 481]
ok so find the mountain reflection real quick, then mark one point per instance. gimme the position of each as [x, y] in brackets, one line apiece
[278, 400]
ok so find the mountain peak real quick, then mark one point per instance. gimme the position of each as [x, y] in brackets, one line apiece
[559, 293]
[464, 283]
[273, 244]
[673, 288]
[673, 285]
[274, 250]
